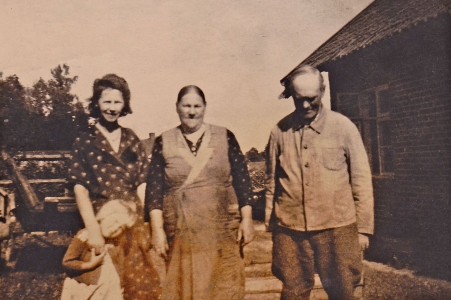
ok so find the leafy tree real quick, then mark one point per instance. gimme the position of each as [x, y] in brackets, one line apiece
[44, 117]
[39, 98]
[253, 155]
[61, 101]
[14, 113]
[63, 114]
[263, 154]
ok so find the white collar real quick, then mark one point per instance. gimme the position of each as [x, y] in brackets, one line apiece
[195, 136]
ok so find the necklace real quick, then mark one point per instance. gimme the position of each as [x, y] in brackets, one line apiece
[112, 137]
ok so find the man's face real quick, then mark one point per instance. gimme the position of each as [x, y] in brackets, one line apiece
[307, 93]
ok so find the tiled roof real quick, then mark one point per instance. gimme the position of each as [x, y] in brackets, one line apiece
[379, 20]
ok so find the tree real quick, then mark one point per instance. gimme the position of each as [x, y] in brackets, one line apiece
[253, 155]
[61, 114]
[44, 117]
[39, 98]
[263, 154]
[14, 113]
[61, 101]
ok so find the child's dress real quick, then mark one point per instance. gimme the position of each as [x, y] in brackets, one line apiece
[101, 283]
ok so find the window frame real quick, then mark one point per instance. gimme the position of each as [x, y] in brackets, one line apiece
[363, 124]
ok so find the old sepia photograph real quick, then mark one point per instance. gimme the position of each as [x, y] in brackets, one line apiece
[225, 150]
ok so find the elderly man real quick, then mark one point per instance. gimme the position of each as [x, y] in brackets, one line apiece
[319, 201]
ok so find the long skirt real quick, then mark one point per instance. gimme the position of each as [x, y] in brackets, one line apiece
[205, 260]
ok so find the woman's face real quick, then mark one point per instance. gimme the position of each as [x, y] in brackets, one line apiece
[191, 110]
[111, 104]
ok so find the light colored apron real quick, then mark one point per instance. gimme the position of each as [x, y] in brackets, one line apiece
[201, 220]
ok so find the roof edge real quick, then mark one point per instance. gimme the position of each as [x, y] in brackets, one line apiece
[322, 61]
[330, 38]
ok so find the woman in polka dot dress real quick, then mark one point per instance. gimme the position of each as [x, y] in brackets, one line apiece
[108, 162]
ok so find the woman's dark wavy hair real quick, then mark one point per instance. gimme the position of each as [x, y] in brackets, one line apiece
[191, 89]
[109, 81]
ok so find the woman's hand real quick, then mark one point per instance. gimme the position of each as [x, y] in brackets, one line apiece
[246, 231]
[95, 238]
[160, 242]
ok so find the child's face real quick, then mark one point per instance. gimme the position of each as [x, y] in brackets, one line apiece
[112, 226]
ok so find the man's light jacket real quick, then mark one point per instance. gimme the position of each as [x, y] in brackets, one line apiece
[318, 175]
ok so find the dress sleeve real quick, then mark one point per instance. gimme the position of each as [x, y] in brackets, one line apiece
[241, 180]
[155, 178]
[143, 165]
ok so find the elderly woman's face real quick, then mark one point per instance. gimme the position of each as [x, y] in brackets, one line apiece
[111, 104]
[191, 110]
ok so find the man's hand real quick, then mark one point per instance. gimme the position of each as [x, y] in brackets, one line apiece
[364, 241]
[246, 231]
[160, 242]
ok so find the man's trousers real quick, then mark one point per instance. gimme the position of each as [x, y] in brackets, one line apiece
[334, 253]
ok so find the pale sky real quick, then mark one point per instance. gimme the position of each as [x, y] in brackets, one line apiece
[235, 51]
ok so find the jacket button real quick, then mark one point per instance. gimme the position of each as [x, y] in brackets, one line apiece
[305, 146]
[307, 165]
[307, 184]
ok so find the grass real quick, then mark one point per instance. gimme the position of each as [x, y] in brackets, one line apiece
[383, 282]
[34, 270]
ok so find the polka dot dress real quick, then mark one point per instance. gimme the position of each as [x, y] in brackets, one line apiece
[109, 175]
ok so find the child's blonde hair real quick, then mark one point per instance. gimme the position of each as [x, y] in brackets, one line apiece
[119, 207]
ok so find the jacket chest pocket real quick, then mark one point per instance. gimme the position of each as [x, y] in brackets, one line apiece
[333, 158]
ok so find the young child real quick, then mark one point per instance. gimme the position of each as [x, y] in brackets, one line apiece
[92, 276]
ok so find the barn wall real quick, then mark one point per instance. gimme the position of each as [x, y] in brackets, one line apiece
[412, 202]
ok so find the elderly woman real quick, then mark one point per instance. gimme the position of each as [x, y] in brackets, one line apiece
[199, 195]
[108, 162]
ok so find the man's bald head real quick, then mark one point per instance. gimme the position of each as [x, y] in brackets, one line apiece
[306, 87]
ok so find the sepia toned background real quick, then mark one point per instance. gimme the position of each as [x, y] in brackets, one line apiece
[236, 51]
[389, 72]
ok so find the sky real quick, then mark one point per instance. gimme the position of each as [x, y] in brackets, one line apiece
[235, 51]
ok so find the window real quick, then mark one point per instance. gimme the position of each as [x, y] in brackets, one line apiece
[370, 111]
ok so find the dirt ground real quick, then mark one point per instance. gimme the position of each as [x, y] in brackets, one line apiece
[34, 272]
